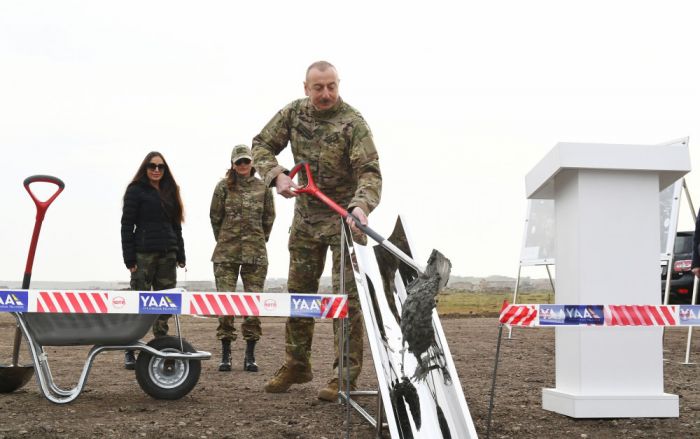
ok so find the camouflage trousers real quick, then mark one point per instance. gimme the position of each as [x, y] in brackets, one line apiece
[307, 257]
[155, 271]
[253, 276]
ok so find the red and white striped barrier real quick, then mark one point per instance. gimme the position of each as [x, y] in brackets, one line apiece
[519, 315]
[72, 302]
[224, 304]
[642, 315]
[175, 301]
[599, 315]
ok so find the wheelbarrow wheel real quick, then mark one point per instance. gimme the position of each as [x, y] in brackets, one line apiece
[164, 378]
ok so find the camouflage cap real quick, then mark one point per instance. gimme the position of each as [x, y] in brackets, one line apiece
[241, 152]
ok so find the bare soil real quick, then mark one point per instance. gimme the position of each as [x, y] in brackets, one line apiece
[234, 405]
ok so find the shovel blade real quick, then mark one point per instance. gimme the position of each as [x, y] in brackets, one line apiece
[14, 377]
[439, 265]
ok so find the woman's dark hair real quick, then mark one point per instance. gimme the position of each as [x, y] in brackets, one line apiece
[169, 190]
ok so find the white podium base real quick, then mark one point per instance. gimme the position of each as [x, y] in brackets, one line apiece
[662, 405]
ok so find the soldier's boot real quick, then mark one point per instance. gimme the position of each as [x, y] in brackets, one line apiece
[225, 365]
[288, 375]
[330, 392]
[297, 365]
[129, 360]
[249, 364]
[295, 370]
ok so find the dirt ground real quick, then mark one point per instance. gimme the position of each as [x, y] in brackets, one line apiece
[233, 405]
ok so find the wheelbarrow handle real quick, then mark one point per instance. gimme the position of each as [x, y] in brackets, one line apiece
[15, 346]
[312, 189]
[41, 207]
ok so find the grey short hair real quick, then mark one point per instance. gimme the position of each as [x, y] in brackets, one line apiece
[320, 65]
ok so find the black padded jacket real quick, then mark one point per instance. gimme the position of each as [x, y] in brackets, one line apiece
[147, 226]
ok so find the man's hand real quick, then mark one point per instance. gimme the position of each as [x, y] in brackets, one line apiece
[284, 186]
[360, 215]
[696, 271]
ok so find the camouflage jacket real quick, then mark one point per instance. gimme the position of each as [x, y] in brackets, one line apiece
[337, 143]
[242, 221]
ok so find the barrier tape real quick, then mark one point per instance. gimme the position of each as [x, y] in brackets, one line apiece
[599, 315]
[175, 301]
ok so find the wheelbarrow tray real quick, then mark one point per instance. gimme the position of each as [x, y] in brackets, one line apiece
[166, 368]
[88, 329]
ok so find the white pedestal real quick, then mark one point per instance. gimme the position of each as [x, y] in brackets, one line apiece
[607, 247]
[610, 406]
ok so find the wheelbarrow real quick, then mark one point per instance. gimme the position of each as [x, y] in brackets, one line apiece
[166, 368]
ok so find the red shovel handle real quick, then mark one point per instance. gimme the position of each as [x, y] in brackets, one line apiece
[312, 189]
[41, 207]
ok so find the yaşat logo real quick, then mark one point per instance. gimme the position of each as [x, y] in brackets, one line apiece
[159, 303]
[270, 304]
[309, 306]
[13, 301]
[552, 315]
[119, 302]
[689, 313]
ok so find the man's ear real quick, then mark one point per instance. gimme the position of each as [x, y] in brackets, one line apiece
[306, 90]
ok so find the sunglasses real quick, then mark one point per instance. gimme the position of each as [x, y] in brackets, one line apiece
[242, 162]
[158, 166]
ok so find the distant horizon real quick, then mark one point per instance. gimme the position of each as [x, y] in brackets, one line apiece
[275, 280]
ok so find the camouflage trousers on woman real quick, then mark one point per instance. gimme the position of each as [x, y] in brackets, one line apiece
[253, 276]
[155, 271]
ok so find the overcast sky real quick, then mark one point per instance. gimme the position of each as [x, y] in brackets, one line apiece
[463, 99]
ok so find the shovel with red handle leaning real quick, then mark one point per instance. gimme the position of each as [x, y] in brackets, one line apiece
[312, 189]
[417, 326]
[15, 376]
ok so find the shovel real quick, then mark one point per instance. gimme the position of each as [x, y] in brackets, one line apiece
[438, 264]
[15, 376]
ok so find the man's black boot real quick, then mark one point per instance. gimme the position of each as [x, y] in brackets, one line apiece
[129, 360]
[225, 365]
[249, 364]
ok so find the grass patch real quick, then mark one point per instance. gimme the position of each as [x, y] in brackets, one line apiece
[484, 304]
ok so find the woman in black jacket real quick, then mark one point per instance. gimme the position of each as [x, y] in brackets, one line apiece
[152, 243]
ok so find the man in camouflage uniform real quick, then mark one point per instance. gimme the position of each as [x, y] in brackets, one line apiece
[242, 213]
[337, 143]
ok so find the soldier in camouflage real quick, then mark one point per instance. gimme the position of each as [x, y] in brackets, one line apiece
[242, 212]
[337, 143]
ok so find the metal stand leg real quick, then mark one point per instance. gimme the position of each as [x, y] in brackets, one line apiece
[493, 381]
[342, 328]
[345, 395]
[695, 280]
[346, 354]
[515, 297]
[343, 338]
[179, 334]
[690, 328]
[380, 418]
